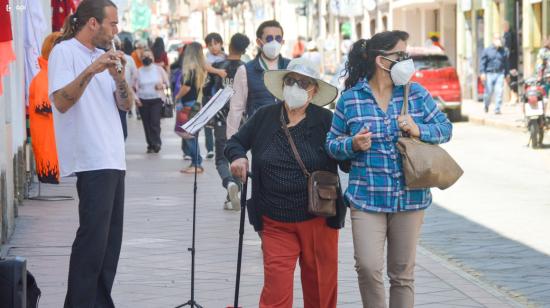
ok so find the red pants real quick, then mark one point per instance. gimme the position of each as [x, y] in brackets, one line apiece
[316, 245]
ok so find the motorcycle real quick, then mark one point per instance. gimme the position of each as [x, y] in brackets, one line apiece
[534, 110]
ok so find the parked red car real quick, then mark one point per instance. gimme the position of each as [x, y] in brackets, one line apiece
[439, 77]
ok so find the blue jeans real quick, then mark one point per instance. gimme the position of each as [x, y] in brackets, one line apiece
[494, 82]
[194, 150]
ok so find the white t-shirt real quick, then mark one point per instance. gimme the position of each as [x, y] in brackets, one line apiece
[89, 134]
[147, 78]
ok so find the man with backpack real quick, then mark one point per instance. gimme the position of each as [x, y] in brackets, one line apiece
[237, 47]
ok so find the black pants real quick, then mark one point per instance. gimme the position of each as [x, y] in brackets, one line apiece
[124, 122]
[96, 248]
[150, 117]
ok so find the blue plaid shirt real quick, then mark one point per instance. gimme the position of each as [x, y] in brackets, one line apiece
[376, 180]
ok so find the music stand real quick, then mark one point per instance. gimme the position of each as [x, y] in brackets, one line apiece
[192, 128]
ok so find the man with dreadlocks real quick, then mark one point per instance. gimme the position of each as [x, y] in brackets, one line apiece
[87, 86]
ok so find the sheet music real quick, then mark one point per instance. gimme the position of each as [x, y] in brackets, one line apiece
[209, 110]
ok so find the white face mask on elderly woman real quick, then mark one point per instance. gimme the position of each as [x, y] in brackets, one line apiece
[295, 97]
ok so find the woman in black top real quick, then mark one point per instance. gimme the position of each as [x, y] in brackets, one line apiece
[187, 98]
[278, 208]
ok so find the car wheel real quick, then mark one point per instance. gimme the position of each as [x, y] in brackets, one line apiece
[455, 115]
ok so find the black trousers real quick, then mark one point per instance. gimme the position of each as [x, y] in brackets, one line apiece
[150, 117]
[96, 248]
[124, 122]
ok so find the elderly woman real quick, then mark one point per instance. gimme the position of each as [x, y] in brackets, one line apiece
[279, 205]
[365, 129]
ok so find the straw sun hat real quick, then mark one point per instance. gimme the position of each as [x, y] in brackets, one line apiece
[273, 81]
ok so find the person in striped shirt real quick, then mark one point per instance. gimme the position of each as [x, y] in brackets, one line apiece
[365, 128]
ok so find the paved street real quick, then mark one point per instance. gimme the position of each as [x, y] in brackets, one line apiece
[485, 233]
[494, 222]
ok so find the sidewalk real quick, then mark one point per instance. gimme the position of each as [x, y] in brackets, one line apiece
[511, 117]
[154, 269]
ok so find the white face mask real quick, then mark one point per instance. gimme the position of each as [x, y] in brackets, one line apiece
[401, 72]
[295, 97]
[272, 49]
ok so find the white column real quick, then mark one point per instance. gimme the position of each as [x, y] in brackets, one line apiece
[423, 21]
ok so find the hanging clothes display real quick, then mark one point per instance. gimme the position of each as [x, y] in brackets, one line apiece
[60, 10]
[34, 32]
[41, 127]
[7, 55]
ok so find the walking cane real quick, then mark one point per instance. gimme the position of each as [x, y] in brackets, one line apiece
[241, 235]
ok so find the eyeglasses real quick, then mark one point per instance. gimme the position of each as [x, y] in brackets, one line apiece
[401, 55]
[302, 83]
[270, 38]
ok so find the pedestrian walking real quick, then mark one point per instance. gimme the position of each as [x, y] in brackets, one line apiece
[543, 65]
[314, 56]
[130, 76]
[494, 68]
[188, 98]
[87, 90]
[160, 54]
[237, 47]
[150, 84]
[137, 54]
[366, 126]
[279, 205]
[175, 85]
[250, 91]
[215, 54]
[299, 47]
[510, 43]
[131, 72]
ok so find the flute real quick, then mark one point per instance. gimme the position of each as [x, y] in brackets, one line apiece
[118, 63]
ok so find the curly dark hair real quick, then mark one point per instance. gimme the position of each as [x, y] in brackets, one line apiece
[361, 58]
[239, 43]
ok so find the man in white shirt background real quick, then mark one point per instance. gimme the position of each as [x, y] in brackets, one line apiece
[87, 91]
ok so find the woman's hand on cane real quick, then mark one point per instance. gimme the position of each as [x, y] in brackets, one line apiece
[239, 168]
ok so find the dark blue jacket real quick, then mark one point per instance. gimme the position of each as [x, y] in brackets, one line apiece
[258, 95]
[494, 60]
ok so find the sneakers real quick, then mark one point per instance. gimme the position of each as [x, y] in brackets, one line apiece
[187, 157]
[227, 205]
[233, 193]
[210, 155]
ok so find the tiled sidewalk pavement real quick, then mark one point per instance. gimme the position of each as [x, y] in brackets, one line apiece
[154, 268]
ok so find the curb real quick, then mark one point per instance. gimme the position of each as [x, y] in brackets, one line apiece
[493, 123]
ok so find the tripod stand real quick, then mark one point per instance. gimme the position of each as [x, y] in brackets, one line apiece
[191, 303]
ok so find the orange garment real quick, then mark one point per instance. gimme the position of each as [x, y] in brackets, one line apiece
[438, 44]
[41, 126]
[137, 59]
[298, 49]
[316, 246]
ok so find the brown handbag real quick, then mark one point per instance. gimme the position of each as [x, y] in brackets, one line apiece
[322, 186]
[425, 165]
